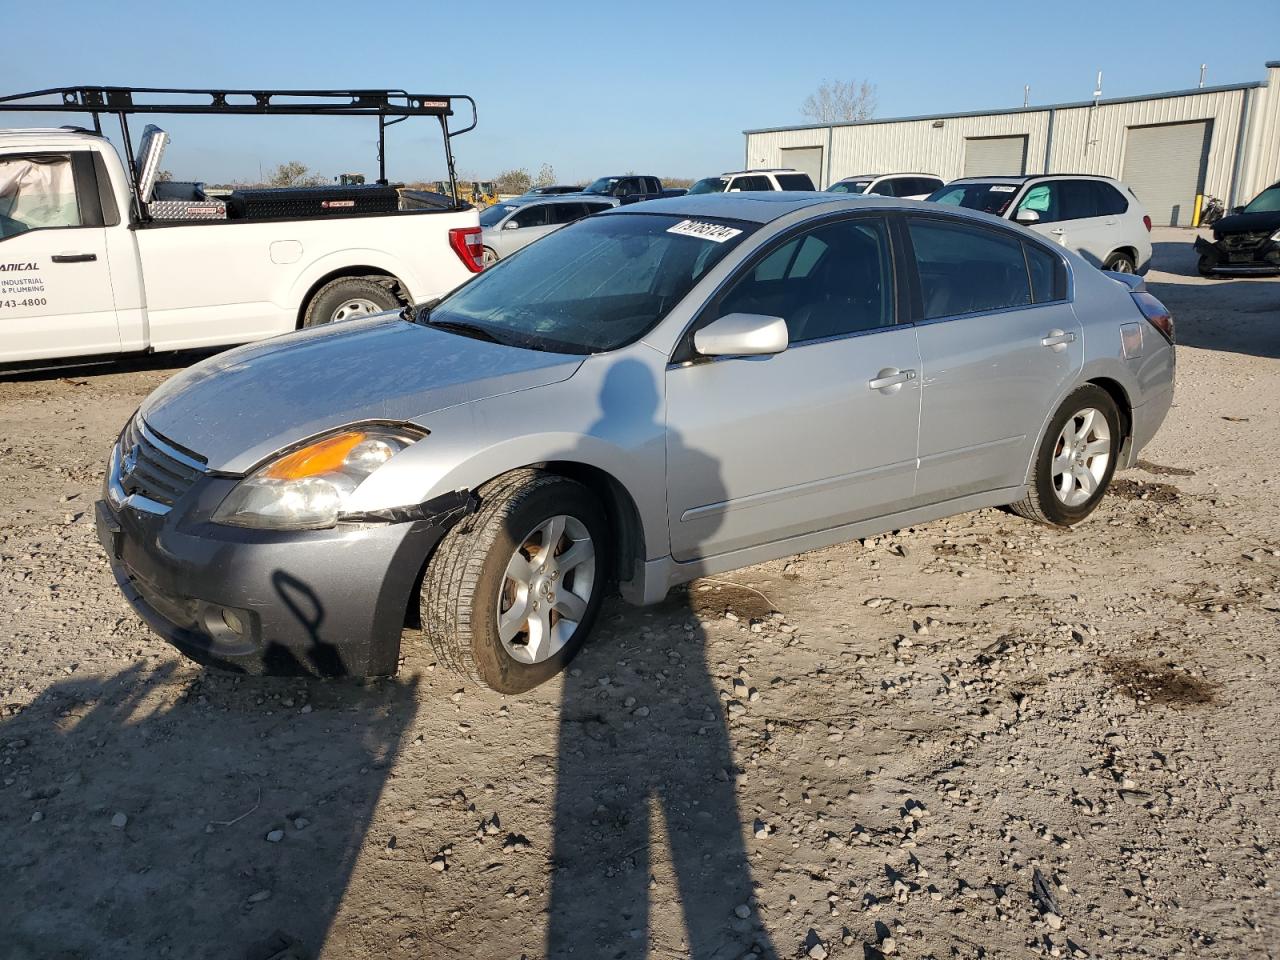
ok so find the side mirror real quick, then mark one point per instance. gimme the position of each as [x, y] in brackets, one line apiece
[511, 225]
[742, 335]
[1237, 209]
[1026, 217]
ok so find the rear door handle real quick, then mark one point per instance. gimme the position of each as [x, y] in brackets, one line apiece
[891, 377]
[74, 257]
[1058, 340]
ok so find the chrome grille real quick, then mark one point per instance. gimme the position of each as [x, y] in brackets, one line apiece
[154, 467]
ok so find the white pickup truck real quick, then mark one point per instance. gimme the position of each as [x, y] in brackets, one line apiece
[94, 263]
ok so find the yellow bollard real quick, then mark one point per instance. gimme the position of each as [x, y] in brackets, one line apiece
[1195, 217]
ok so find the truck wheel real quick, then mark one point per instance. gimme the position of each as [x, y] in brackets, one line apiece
[1076, 460]
[346, 298]
[513, 590]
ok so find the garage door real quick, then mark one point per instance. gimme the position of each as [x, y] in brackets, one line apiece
[1164, 165]
[995, 156]
[805, 159]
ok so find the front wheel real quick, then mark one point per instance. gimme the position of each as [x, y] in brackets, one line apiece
[347, 298]
[488, 258]
[1076, 460]
[512, 591]
[1205, 267]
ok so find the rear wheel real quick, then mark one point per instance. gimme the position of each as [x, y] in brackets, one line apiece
[1076, 460]
[513, 591]
[1120, 263]
[347, 298]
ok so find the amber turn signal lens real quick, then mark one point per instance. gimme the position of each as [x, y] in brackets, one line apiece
[323, 457]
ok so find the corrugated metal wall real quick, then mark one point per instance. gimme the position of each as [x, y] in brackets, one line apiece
[1085, 139]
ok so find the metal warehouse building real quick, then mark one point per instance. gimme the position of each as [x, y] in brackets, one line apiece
[1170, 148]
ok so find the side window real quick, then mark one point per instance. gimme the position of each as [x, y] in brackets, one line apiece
[1048, 275]
[1044, 199]
[1111, 202]
[885, 188]
[652, 184]
[966, 269]
[535, 216]
[1079, 201]
[929, 184]
[36, 193]
[596, 208]
[566, 212]
[833, 280]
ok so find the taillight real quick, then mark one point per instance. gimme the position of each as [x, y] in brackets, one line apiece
[1157, 313]
[1146, 222]
[469, 247]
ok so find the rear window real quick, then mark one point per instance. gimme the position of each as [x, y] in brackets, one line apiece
[976, 195]
[849, 186]
[966, 269]
[794, 181]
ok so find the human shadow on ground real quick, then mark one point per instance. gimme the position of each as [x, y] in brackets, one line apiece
[142, 811]
[644, 750]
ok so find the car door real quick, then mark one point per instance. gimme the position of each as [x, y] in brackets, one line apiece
[999, 343]
[1068, 211]
[523, 227]
[56, 298]
[822, 434]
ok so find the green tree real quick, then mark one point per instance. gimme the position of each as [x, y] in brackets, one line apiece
[293, 174]
[514, 181]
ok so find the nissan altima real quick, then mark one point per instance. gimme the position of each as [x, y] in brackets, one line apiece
[656, 393]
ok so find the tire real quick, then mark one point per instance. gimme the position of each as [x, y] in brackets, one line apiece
[467, 584]
[1205, 267]
[1120, 263]
[346, 298]
[489, 257]
[1053, 499]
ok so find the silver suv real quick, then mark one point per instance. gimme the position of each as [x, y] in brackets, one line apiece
[653, 394]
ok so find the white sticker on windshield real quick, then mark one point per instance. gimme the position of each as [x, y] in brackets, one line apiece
[1001, 188]
[705, 231]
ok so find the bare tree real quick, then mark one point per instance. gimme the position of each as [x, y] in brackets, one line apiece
[836, 102]
[514, 181]
[546, 176]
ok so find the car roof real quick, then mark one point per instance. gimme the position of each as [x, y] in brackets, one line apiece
[40, 136]
[765, 206]
[880, 176]
[1028, 177]
[735, 173]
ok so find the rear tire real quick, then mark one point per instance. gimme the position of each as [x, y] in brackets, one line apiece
[1075, 461]
[1120, 263]
[496, 572]
[347, 298]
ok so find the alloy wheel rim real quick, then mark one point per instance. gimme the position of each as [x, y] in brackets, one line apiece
[546, 588]
[1081, 456]
[488, 258]
[355, 307]
[1122, 266]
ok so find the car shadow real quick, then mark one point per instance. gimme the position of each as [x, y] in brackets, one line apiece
[646, 812]
[90, 367]
[259, 847]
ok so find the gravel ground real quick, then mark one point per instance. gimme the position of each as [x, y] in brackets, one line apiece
[975, 738]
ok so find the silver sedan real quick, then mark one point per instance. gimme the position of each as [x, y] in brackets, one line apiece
[661, 392]
[508, 227]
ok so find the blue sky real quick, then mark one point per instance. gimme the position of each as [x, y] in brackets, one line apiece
[595, 88]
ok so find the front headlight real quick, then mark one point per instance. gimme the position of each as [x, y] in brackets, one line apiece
[307, 489]
[1276, 236]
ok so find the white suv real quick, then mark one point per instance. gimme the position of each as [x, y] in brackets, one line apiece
[904, 186]
[783, 178]
[1099, 218]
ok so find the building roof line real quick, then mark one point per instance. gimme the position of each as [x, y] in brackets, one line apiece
[1072, 105]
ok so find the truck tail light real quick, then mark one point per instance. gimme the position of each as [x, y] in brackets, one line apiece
[1146, 222]
[1157, 313]
[468, 246]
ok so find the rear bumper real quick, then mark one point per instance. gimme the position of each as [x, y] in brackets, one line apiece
[1217, 257]
[323, 602]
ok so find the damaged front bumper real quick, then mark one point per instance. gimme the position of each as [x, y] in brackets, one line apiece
[1237, 254]
[324, 602]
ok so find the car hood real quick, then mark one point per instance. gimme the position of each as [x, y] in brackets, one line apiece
[1247, 223]
[242, 406]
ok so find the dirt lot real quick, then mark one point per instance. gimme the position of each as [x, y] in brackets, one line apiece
[977, 738]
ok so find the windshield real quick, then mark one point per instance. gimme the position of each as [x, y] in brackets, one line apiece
[492, 216]
[1268, 201]
[709, 185]
[987, 197]
[849, 186]
[603, 185]
[594, 286]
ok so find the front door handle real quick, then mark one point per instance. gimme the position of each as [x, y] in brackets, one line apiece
[74, 257]
[1058, 340]
[890, 377]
